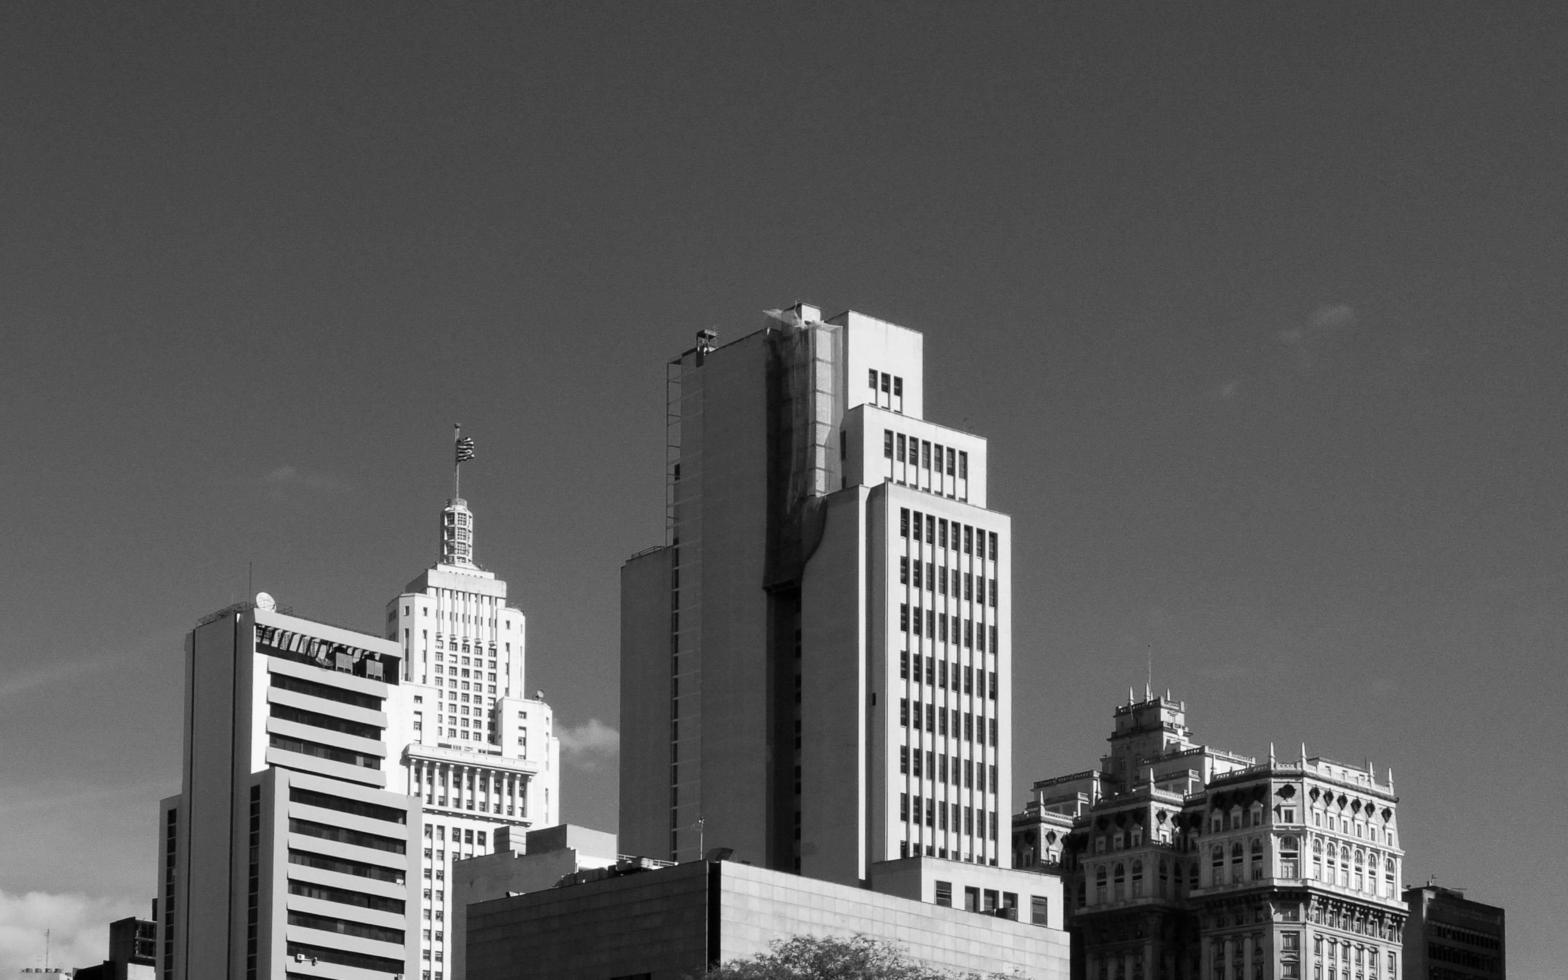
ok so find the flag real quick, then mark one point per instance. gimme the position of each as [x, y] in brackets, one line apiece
[465, 448]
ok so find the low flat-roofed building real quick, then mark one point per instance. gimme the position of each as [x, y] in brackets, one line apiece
[1450, 937]
[668, 923]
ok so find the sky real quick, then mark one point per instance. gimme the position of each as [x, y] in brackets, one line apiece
[1260, 307]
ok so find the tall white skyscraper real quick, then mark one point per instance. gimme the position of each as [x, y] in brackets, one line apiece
[288, 853]
[815, 667]
[472, 747]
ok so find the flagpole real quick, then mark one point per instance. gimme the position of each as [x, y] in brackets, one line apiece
[457, 464]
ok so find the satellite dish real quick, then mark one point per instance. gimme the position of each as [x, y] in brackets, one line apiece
[265, 601]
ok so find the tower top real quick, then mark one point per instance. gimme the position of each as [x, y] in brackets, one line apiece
[457, 534]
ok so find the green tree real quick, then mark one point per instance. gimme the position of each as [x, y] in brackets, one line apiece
[828, 958]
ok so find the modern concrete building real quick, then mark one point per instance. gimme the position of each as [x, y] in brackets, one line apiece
[544, 858]
[816, 666]
[286, 854]
[479, 756]
[1451, 937]
[671, 923]
[1186, 861]
[133, 952]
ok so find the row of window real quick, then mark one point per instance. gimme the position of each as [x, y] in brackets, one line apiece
[934, 814]
[919, 452]
[935, 719]
[935, 531]
[936, 626]
[940, 673]
[936, 580]
[940, 767]
[887, 390]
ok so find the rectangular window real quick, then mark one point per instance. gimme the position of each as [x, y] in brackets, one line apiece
[993, 685]
[903, 712]
[941, 527]
[944, 893]
[903, 806]
[951, 468]
[930, 576]
[903, 758]
[918, 522]
[930, 717]
[901, 444]
[993, 638]
[887, 443]
[871, 378]
[898, 387]
[969, 540]
[918, 619]
[993, 546]
[903, 522]
[903, 616]
[903, 664]
[980, 591]
[885, 382]
[917, 573]
[916, 769]
[925, 454]
[969, 586]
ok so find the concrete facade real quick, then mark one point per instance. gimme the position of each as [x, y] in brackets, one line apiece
[816, 667]
[671, 923]
[286, 854]
[469, 744]
[1451, 937]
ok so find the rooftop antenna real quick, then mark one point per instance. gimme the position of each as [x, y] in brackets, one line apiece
[1148, 677]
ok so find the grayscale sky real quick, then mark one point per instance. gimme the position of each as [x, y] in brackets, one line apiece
[1260, 305]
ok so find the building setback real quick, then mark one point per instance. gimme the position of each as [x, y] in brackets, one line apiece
[816, 666]
[285, 854]
[1186, 861]
[474, 751]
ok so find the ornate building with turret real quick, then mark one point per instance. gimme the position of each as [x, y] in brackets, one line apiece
[1181, 860]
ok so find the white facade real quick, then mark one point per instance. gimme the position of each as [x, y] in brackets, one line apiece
[286, 854]
[816, 669]
[470, 746]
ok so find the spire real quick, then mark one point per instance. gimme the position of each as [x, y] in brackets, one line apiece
[1303, 753]
[1271, 753]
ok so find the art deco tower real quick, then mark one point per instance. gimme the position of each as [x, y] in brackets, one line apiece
[471, 746]
[815, 667]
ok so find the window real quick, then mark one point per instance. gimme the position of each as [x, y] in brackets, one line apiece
[1039, 910]
[871, 377]
[901, 444]
[944, 893]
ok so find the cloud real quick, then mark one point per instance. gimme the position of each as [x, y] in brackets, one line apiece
[288, 478]
[1307, 341]
[588, 745]
[54, 673]
[78, 928]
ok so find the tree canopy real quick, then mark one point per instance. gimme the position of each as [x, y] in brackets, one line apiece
[860, 957]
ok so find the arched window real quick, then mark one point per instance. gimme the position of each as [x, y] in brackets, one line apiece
[1333, 865]
[1257, 814]
[1388, 880]
[1317, 858]
[1099, 885]
[1119, 882]
[1217, 858]
[1344, 867]
[1137, 879]
[1356, 869]
[1235, 861]
[1257, 859]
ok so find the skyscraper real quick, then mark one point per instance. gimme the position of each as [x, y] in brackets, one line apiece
[815, 667]
[475, 752]
[286, 853]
